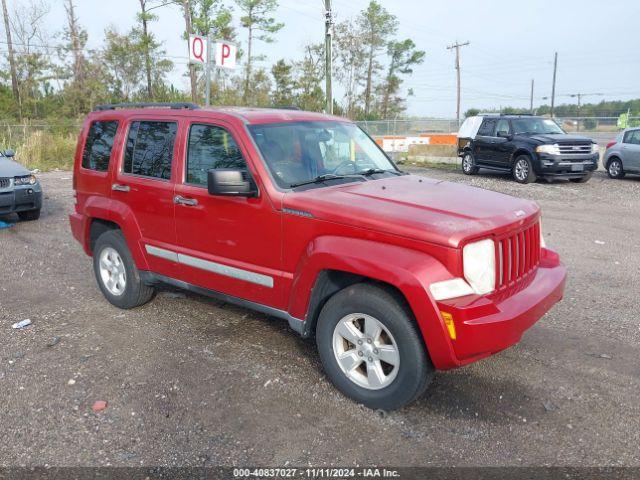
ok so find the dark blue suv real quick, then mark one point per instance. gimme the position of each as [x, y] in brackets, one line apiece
[527, 146]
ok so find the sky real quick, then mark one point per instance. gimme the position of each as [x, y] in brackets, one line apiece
[511, 43]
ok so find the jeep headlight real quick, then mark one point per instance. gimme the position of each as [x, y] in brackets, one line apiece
[549, 149]
[595, 148]
[26, 180]
[479, 262]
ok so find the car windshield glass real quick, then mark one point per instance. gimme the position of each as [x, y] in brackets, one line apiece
[301, 152]
[543, 126]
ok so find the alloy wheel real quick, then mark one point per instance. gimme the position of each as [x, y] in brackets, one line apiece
[366, 351]
[522, 169]
[615, 168]
[112, 271]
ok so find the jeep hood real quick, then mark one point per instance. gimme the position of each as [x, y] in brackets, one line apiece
[9, 168]
[434, 211]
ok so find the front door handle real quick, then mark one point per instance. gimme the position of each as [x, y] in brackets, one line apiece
[116, 187]
[189, 202]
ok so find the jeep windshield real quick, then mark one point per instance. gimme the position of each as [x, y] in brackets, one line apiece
[319, 153]
[536, 126]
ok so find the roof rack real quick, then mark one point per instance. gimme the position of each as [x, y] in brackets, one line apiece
[171, 105]
[496, 114]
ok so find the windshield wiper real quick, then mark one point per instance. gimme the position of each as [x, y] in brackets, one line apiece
[372, 171]
[324, 178]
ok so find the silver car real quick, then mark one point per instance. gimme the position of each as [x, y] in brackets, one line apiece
[623, 155]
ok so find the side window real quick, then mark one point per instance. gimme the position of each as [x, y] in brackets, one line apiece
[503, 126]
[487, 128]
[633, 137]
[98, 146]
[210, 147]
[149, 150]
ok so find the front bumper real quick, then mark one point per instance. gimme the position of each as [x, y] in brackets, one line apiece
[566, 166]
[488, 324]
[21, 199]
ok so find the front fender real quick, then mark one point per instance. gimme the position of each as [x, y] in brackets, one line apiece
[410, 271]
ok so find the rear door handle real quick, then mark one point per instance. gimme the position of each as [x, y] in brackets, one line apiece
[189, 202]
[116, 187]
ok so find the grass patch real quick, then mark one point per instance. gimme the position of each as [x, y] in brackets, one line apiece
[43, 150]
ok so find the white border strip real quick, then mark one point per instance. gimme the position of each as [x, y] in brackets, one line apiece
[219, 268]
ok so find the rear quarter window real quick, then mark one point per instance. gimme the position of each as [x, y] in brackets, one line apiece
[98, 146]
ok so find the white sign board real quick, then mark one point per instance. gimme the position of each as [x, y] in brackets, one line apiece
[226, 54]
[197, 49]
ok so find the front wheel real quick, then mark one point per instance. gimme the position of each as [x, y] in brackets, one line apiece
[523, 170]
[117, 274]
[469, 164]
[371, 348]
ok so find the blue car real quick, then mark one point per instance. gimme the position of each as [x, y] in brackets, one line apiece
[20, 191]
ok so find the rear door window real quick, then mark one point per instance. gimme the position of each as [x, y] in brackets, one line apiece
[149, 150]
[211, 147]
[487, 128]
[98, 146]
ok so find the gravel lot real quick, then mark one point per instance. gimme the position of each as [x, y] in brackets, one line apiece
[191, 381]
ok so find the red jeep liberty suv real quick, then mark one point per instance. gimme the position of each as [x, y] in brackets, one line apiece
[302, 216]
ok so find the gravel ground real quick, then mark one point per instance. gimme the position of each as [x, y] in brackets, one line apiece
[188, 380]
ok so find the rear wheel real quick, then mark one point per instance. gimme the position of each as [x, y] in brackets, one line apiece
[371, 348]
[615, 168]
[29, 215]
[523, 170]
[116, 273]
[583, 179]
[469, 164]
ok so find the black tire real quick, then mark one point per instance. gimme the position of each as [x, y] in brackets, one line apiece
[615, 169]
[468, 164]
[414, 371]
[135, 292]
[29, 215]
[522, 170]
[583, 179]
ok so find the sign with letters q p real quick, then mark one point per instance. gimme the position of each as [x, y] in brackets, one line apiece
[226, 54]
[197, 49]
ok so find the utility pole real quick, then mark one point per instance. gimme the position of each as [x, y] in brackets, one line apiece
[328, 34]
[531, 102]
[457, 46]
[12, 62]
[553, 87]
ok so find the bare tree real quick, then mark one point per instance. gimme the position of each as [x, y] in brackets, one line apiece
[144, 18]
[186, 6]
[12, 62]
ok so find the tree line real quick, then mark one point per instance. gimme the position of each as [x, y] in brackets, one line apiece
[605, 108]
[54, 75]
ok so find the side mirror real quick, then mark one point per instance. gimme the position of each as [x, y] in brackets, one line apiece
[9, 153]
[504, 134]
[230, 182]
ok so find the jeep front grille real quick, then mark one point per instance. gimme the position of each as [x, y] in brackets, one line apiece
[517, 254]
[575, 148]
[5, 183]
